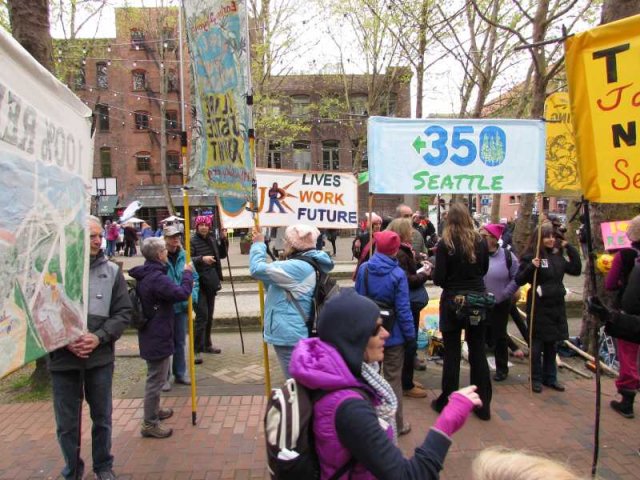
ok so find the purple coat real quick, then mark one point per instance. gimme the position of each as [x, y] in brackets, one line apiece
[318, 365]
[155, 288]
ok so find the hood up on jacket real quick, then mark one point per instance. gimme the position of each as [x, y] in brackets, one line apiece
[381, 264]
[334, 359]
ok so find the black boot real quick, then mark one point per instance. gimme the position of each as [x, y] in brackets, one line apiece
[625, 407]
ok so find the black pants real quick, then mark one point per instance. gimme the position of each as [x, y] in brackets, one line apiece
[410, 349]
[333, 245]
[204, 318]
[475, 338]
[498, 317]
[543, 362]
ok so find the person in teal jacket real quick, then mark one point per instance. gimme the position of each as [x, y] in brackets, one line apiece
[290, 284]
[177, 259]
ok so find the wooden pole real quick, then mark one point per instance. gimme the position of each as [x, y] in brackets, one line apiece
[533, 298]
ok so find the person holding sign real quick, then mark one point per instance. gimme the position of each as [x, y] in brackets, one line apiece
[549, 320]
[462, 261]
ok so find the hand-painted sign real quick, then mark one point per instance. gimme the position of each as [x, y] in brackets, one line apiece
[602, 69]
[323, 199]
[455, 156]
[46, 155]
[614, 235]
[218, 43]
[562, 161]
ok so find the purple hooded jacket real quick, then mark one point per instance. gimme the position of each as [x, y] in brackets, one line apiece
[318, 365]
[155, 288]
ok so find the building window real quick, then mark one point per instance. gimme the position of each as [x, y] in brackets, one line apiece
[172, 81]
[137, 39]
[389, 104]
[142, 120]
[139, 80]
[359, 104]
[102, 114]
[300, 105]
[171, 120]
[80, 79]
[102, 79]
[301, 155]
[173, 162]
[143, 161]
[274, 155]
[168, 38]
[105, 161]
[331, 155]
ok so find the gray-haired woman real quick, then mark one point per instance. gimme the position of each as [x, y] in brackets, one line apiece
[157, 294]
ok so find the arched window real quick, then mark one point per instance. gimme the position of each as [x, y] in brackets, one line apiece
[301, 155]
[142, 120]
[171, 120]
[172, 81]
[143, 161]
[330, 155]
[139, 78]
[102, 78]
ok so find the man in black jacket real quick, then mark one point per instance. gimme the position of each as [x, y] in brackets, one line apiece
[84, 368]
[206, 253]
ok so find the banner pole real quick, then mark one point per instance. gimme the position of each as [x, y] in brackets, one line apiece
[533, 297]
[187, 219]
[596, 331]
[370, 225]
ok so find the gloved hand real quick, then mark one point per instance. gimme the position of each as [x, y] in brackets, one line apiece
[457, 410]
[595, 307]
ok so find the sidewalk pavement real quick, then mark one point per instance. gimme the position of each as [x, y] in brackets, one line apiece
[228, 442]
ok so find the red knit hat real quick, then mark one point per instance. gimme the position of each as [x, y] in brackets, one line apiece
[387, 242]
[495, 229]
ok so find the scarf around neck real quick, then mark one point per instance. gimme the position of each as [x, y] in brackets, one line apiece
[386, 409]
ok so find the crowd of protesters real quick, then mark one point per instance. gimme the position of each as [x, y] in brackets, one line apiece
[361, 350]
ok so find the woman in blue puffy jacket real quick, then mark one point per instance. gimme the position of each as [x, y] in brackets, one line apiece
[382, 280]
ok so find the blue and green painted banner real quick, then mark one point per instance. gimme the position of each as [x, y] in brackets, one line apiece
[408, 156]
[218, 44]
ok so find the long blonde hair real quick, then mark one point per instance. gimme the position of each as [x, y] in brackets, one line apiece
[403, 227]
[497, 463]
[460, 228]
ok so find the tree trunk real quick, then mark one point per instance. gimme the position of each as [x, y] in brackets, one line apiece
[495, 207]
[612, 10]
[30, 27]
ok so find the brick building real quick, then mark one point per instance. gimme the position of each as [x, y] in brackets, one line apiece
[120, 79]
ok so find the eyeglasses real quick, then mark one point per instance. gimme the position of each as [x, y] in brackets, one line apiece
[376, 331]
[407, 215]
[96, 235]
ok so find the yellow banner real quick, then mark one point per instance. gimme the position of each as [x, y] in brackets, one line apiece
[603, 66]
[561, 159]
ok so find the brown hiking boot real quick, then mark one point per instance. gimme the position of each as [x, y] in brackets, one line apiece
[155, 431]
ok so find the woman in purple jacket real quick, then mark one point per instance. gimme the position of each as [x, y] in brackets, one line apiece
[354, 421]
[157, 293]
[499, 280]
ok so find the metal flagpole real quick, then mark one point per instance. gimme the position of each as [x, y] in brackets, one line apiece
[187, 218]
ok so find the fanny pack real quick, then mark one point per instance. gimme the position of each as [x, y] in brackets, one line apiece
[473, 306]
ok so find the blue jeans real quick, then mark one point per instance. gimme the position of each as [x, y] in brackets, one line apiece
[283, 353]
[68, 394]
[111, 248]
[179, 341]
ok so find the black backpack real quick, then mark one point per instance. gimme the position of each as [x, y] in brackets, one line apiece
[326, 287]
[288, 431]
[138, 317]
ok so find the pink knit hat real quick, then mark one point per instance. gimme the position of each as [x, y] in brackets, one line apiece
[495, 229]
[203, 219]
[387, 242]
[301, 237]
